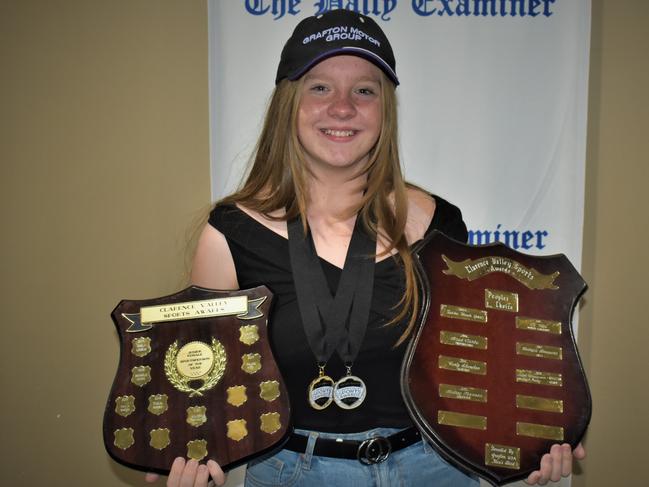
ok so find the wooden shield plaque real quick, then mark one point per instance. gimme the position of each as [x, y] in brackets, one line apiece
[492, 377]
[197, 379]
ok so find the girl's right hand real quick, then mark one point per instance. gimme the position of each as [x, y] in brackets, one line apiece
[191, 474]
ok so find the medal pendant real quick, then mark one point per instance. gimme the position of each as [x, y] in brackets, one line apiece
[349, 392]
[320, 392]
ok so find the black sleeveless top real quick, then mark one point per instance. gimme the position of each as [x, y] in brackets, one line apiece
[261, 256]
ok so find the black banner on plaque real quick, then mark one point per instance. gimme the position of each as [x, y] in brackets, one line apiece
[492, 377]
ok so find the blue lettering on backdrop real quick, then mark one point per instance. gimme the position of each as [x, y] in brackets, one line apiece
[484, 8]
[278, 8]
[515, 239]
[378, 8]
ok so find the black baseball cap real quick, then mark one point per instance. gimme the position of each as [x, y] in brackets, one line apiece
[335, 33]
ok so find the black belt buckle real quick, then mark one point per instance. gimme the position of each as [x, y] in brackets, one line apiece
[374, 450]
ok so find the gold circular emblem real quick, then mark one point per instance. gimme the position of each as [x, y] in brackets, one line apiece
[194, 360]
[199, 362]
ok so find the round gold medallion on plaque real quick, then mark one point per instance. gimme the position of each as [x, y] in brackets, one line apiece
[195, 362]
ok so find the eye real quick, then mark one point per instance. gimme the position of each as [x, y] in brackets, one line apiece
[366, 91]
[318, 88]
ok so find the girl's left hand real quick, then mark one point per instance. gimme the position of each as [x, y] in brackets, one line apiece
[556, 464]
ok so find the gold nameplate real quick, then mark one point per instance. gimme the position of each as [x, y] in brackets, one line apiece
[539, 351]
[539, 377]
[195, 362]
[501, 300]
[141, 375]
[502, 456]
[124, 405]
[462, 340]
[196, 415]
[449, 418]
[158, 404]
[270, 423]
[461, 313]
[534, 324]
[237, 395]
[141, 346]
[462, 365]
[539, 431]
[124, 438]
[206, 308]
[159, 438]
[539, 403]
[197, 449]
[248, 334]
[237, 429]
[463, 393]
[250, 363]
[269, 390]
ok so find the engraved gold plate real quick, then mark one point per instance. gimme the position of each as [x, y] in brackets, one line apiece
[250, 363]
[539, 377]
[124, 438]
[450, 418]
[196, 415]
[248, 334]
[269, 390]
[501, 300]
[270, 423]
[233, 305]
[141, 375]
[237, 395]
[539, 351]
[534, 324]
[159, 438]
[141, 346]
[237, 429]
[124, 405]
[462, 340]
[502, 456]
[539, 403]
[463, 393]
[461, 313]
[462, 365]
[157, 404]
[539, 431]
[197, 449]
[195, 362]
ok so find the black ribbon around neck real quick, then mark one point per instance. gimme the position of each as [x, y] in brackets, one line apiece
[333, 322]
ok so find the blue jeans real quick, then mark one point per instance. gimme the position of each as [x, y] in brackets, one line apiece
[416, 465]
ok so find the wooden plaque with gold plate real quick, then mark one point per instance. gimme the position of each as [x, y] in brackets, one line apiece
[196, 378]
[492, 377]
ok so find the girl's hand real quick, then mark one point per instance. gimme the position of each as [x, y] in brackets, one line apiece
[556, 464]
[190, 474]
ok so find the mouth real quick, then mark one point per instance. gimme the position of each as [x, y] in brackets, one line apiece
[339, 133]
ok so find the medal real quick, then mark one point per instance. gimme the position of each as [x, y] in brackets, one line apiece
[320, 392]
[350, 391]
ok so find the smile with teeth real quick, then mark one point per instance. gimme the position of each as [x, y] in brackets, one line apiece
[339, 133]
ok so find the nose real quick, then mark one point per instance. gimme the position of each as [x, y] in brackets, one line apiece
[342, 107]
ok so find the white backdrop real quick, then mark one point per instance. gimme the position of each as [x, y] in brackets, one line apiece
[492, 107]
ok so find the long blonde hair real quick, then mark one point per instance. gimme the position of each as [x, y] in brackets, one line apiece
[277, 179]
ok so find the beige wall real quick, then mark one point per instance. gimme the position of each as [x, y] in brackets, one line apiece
[104, 165]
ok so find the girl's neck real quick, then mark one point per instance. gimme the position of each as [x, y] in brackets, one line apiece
[333, 200]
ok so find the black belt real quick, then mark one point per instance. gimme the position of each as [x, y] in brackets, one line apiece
[370, 451]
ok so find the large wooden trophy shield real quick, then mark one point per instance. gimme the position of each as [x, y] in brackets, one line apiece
[196, 378]
[492, 377]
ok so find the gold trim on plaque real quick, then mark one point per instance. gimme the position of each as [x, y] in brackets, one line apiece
[462, 365]
[474, 269]
[124, 438]
[539, 431]
[159, 438]
[463, 340]
[270, 423]
[237, 429]
[463, 393]
[539, 403]
[462, 313]
[534, 324]
[269, 390]
[501, 300]
[124, 405]
[196, 416]
[197, 449]
[502, 456]
[450, 418]
[250, 362]
[141, 346]
[248, 334]
[539, 351]
[158, 404]
[192, 366]
[141, 375]
[539, 377]
[237, 395]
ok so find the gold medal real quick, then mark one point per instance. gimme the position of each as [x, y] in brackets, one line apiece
[320, 392]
